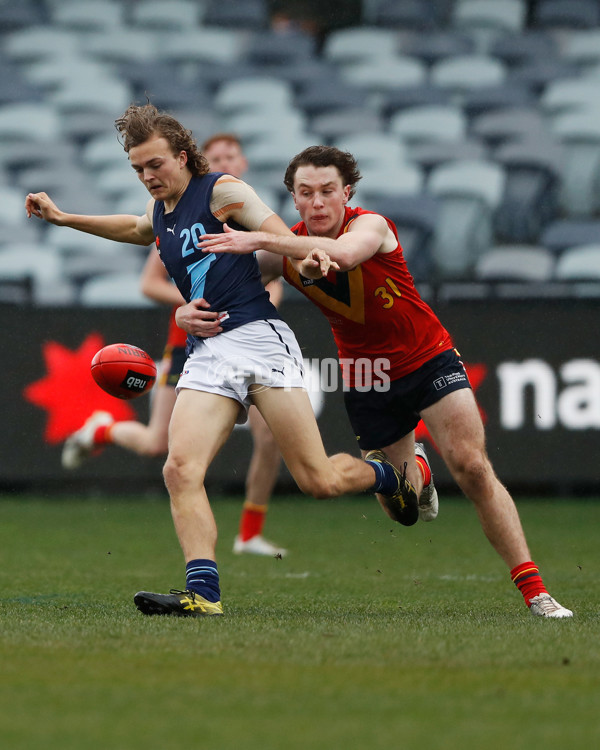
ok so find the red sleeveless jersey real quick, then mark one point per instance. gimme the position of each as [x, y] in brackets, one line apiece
[379, 321]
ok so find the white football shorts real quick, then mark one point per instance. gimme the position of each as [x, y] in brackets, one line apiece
[264, 352]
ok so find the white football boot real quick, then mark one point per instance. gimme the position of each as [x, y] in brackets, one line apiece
[257, 545]
[543, 605]
[80, 444]
[428, 499]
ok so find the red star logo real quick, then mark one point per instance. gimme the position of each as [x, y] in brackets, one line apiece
[69, 393]
[476, 374]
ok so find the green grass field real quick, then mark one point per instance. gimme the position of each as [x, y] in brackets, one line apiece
[369, 635]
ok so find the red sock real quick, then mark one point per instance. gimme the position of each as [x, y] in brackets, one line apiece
[102, 434]
[425, 470]
[252, 520]
[528, 580]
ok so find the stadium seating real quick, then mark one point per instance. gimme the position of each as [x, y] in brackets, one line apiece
[583, 49]
[406, 97]
[415, 15]
[254, 93]
[579, 134]
[510, 123]
[432, 154]
[238, 14]
[416, 92]
[383, 75]
[35, 273]
[563, 233]
[580, 263]
[176, 15]
[114, 290]
[374, 149]
[279, 48]
[489, 15]
[429, 123]
[531, 195]
[206, 46]
[566, 14]
[483, 99]
[320, 97]
[355, 45]
[331, 126]
[395, 179]
[517, 49]
[469, 192]
[527, 263]
[415, 217]
[93, 15]
[463, 73]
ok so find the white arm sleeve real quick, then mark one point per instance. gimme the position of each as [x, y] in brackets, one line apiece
[235, 199]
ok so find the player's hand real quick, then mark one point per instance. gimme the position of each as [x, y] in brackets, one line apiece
[195, 318]
[230, 241]
[40, 205]
[317, 265]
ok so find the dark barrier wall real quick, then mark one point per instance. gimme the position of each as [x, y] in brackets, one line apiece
[534, 364]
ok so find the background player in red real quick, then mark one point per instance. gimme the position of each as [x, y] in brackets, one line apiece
[224, 154]
[376, 314]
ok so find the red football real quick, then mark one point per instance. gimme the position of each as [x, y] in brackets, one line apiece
[123, 370]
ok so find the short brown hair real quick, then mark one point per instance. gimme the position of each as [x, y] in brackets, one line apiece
[139, 123]
[228, 137]
[324, 156]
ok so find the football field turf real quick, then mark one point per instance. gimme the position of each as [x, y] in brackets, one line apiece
[368, 635]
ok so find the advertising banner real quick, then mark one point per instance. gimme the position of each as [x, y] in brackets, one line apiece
[534, 365]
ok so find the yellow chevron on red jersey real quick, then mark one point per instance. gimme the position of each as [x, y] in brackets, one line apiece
[344, 295]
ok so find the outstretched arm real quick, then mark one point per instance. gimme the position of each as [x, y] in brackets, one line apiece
[316, 265]
[367, 235]
[136, 230]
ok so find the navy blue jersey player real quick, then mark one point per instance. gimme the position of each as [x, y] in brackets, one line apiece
[256, 358]
[230, 285]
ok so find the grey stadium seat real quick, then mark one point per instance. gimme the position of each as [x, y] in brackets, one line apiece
[415, 217]
[503, 263]
[581, 263]
[429, 123]
[563, 233]
[319, 97]
[332, 126]
[93, 15]
[438, 45]
[484, 99]
[531, 196]
[385, 74]
[510, 124]
[359, 44]
[114, 290]
[237, 14]
[462, 73]
[431, 155]
[374, 149]
[469, 192]
[279, 48]
[176, 15]
[524, 48]
[579, 134]
[566, 14]
[411, 15]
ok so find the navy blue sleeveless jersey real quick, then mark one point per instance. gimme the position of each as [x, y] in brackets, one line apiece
[229, 283]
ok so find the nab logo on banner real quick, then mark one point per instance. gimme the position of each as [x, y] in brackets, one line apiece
[531, 391]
